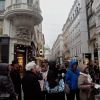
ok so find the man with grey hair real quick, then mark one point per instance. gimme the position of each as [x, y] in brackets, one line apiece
[30, 83]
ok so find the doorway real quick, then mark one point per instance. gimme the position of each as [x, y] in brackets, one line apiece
[20, 55]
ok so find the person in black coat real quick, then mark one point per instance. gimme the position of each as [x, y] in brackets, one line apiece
[7, 91]
[54, 85]
[16, 79]
[30, 83]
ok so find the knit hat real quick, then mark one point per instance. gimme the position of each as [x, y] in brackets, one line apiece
[30, 66]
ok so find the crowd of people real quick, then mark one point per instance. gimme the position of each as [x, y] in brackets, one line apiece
[49, 81]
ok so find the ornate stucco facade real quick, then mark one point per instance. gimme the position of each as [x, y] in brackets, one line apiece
[22, 26]
[75, 31]
[93, 16]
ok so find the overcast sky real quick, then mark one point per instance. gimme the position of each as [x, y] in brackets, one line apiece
[55, 13]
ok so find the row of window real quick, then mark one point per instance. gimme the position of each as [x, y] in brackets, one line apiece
[89, 8]
[73, 37]
[2, 3]
[20, 1]
[76, 51]
[76, 11]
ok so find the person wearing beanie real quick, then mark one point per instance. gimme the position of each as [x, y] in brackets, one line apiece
[30, 84]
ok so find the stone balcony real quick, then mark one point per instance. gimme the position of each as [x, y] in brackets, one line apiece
[23, 13]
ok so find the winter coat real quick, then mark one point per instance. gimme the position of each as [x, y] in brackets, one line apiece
[54, 86]
[16, 79]
[85, 90]
[55, 93]
[71, 78]
[6, 85]
[84, 83]
[31, 86]
[58, 88]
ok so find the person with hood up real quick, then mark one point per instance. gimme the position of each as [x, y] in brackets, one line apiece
[85, 84]
[71, 79]
[7, 91]
[30, 83]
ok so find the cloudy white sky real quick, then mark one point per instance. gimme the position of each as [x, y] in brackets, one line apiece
[55, 13]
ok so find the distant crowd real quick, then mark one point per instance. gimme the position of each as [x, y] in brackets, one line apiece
[50, 81]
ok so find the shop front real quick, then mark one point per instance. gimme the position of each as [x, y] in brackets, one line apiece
[23, 54]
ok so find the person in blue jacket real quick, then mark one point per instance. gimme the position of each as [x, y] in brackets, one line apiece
[71, 78]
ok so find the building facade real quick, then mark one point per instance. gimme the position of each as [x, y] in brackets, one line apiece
[57, 50]
[48, 54]
[75, 31]
[93, 16]
[21, 30]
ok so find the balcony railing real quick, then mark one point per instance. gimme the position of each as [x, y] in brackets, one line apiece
[23, 6]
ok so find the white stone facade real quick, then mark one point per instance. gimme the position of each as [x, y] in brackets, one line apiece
[94, 29]
[48, 54]
[22, 24]
[75, 30]
[57, 50]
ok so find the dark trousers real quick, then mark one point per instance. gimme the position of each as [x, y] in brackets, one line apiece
[7, 99]
[4, 99]
[72, 94]
[42, 95]
[55, 96]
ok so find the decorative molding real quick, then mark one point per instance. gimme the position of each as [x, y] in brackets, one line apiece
[23, 33]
